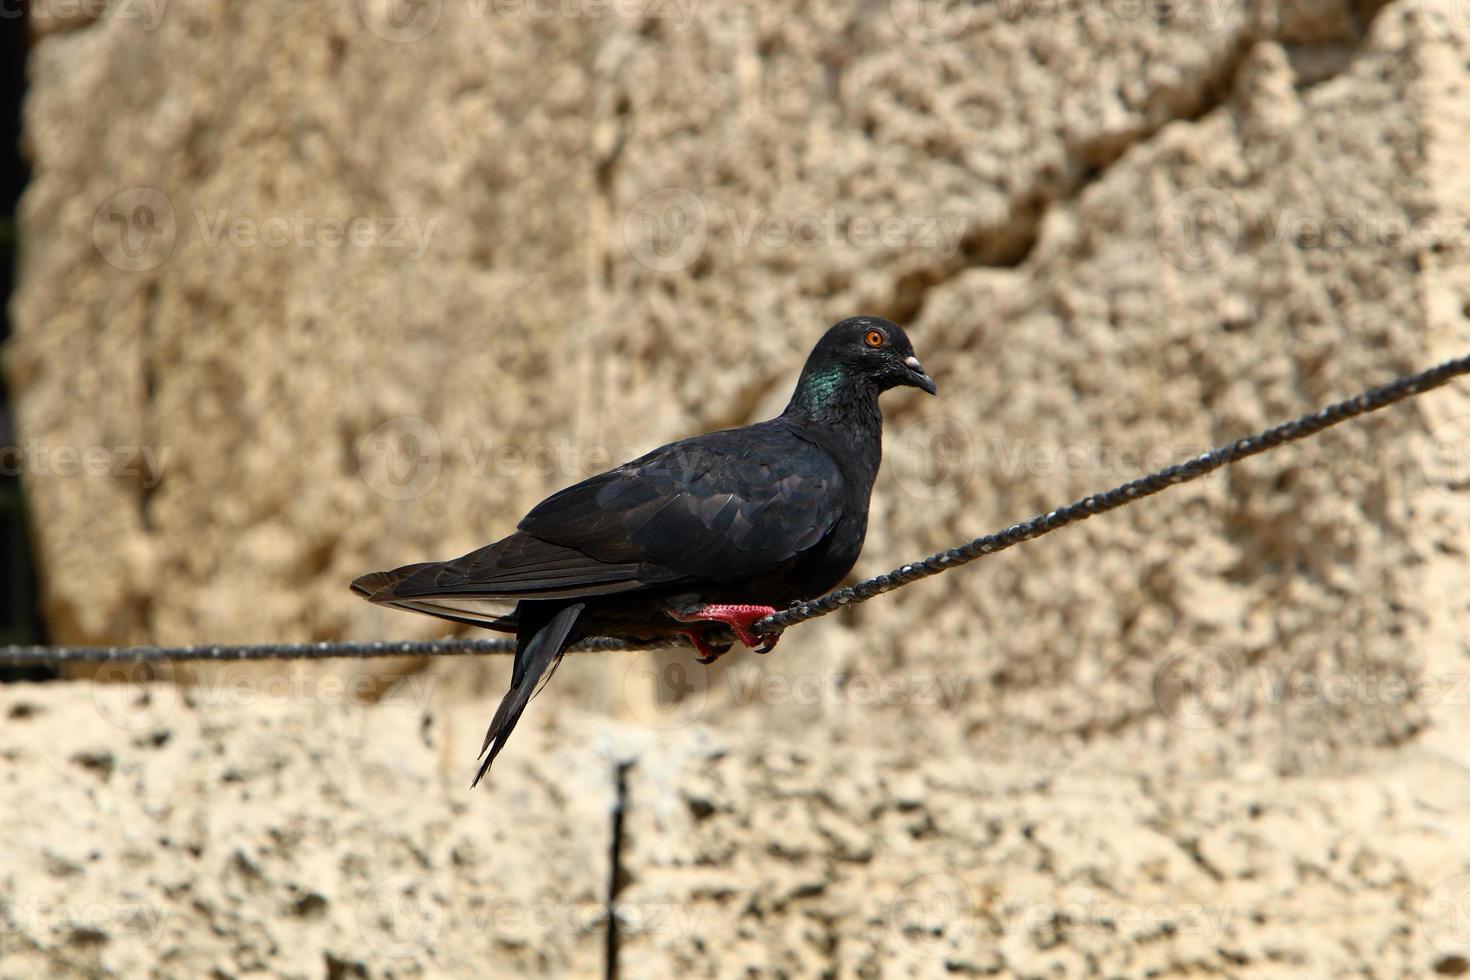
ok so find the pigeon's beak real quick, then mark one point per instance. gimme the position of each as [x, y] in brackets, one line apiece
[917, 377]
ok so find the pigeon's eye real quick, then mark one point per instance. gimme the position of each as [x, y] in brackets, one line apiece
[874, 338]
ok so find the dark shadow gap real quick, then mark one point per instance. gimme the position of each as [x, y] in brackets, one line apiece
[20, 620]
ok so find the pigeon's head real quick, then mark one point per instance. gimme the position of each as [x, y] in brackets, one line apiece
[867, 349]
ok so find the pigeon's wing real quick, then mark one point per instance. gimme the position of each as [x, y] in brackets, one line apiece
[715, 508]
[719, 507]
[483, 587]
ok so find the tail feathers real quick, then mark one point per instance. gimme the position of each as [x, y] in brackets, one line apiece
[537, 653]
[382, 588]
[372, 583]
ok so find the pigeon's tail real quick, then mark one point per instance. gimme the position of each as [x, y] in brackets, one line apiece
[383, 588]
[539, 646]
[373, 583]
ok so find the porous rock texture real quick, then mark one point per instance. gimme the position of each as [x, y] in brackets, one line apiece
[1221, 732]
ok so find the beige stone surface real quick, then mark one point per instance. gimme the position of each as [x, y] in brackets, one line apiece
[1221, 732]
[281, 828]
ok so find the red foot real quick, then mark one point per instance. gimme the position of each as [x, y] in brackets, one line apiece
[738, 618]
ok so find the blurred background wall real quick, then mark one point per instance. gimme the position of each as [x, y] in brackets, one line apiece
[310, 289]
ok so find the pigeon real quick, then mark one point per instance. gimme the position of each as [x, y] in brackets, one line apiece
[700, 538]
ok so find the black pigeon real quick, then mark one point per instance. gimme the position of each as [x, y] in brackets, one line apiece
[713, 531]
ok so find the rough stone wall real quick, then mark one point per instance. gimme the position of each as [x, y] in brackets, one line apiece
[1221, 732]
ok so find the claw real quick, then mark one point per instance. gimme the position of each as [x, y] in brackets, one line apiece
[708, 652]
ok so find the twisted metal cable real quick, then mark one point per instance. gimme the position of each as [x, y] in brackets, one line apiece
[1193, 469]
[33, 656]
[1098, 503]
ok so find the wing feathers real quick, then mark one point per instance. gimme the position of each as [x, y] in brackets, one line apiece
[721, 507]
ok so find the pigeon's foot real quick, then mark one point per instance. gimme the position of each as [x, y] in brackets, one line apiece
[708, 652]
[739, 618]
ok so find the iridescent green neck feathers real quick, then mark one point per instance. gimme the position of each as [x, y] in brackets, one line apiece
[818, 388]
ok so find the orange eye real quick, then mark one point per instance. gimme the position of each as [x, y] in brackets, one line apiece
[874, 338]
